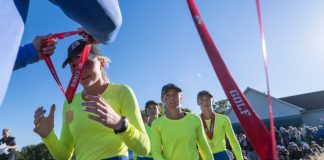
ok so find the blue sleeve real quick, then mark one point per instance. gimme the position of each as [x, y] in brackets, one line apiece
[26, 55]
[101, 18]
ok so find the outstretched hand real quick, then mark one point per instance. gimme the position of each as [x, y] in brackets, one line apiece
[44, 125]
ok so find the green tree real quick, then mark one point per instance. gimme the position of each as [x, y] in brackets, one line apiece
[186, 109]
[162, 108]
[34, 152]
[221, 106]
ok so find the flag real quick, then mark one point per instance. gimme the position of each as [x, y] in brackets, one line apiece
[255, 130]
[13, 15]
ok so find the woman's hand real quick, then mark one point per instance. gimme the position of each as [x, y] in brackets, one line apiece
[44, 125]
[103, 113]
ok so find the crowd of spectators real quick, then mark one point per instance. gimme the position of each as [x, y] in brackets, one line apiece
[293, 143]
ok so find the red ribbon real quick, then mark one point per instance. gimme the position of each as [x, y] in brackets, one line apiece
[253, 127]
[265, 62]
[77, 73]
[210, 132]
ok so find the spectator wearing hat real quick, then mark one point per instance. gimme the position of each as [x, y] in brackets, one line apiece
[10, 143]
[285, 136]
[307, 151]
[216, 127]
[178, 135]
[283, 154]
[316, 148]
[295, 152]
[278, 137]
[102, 122]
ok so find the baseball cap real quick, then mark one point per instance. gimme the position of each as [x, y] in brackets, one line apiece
[150, 102]
[204, 92]
[169, 86]
[76, 48]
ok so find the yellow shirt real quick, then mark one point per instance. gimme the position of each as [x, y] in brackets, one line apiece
[179, 139]
[149, 133]
[223, 126]
[90, 140]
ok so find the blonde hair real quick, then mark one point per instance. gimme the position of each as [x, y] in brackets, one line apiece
[106, 61]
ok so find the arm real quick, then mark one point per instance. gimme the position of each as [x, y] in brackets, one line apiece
[135, 136]
[156, 143]
[26, 55]
[12, 144]
[61, 149]
[204, 149]
[232, 139]
[102, 20]
[31, 53]
[12, 147]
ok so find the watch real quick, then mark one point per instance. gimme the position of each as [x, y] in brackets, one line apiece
[123, 127]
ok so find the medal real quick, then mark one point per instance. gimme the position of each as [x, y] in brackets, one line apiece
[69, 115]
[210, 132]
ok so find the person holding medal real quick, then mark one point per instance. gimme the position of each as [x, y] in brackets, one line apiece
[216, 126]
[102, 122]
[178, 135]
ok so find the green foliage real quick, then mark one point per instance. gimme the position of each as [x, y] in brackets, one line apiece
[162, 108]
[221, 106]
[186, 109]
[34, 152]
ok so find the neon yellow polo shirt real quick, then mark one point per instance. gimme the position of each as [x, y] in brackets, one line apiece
[149, 133]
[179, 139]
[223, 126]
[90, 140]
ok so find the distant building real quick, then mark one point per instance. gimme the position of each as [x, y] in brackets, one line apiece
[313, 103]
[288, 111]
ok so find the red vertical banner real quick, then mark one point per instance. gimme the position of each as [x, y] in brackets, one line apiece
[265, 62]
[255, 130]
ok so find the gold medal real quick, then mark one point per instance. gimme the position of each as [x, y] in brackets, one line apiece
[69, 115]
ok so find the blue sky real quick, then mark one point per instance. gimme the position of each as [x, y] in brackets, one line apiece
[158, 43]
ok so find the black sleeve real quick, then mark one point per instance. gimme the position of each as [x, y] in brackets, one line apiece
[12, 141]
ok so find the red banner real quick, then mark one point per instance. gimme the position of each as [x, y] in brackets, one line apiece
[255, 130]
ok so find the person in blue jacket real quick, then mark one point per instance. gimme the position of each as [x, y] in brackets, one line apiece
[31, 53]
[102, 21]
